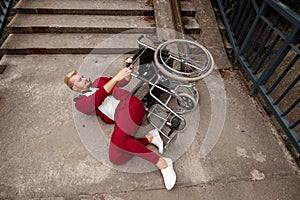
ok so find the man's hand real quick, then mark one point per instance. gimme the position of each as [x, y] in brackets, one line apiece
[128, 62]
[122, 74]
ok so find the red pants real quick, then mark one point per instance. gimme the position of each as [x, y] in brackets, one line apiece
[128, 118]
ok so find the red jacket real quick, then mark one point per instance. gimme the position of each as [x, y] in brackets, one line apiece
[89, 104]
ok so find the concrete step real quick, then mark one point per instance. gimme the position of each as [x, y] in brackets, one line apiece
[92, 7]
[31, 23]
[88, 7]
[187, 8]
[70, 43]
[43, 23]
[191, 25]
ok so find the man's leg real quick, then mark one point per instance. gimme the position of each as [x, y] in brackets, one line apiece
[123, 147]
[128, 118]
[143, 141]
[119, 156]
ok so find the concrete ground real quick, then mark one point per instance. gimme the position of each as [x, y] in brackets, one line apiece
[42, 154]
[49, 151]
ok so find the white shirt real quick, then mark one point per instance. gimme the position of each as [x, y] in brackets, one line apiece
[108, 106]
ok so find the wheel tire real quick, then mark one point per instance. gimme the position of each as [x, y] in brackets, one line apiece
[182, 125]
[189, 102]
[175, 76]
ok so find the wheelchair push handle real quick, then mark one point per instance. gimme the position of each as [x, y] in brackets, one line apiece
[142, 48]
[139, 53]
[139, 40]
[136, 57]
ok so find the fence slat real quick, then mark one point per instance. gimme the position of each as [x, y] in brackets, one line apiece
[247, 24]
[289, 88]
[268, 52]
[291, 107]
[289, 67]
[295, 124]
[244, 16]
[255, 43]
[260, 50]
[240, 10]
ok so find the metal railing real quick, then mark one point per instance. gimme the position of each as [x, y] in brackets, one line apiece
[5, 6]
[265, 37]
[4, 12]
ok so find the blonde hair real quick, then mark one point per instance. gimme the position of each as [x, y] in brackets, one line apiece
[68, 77]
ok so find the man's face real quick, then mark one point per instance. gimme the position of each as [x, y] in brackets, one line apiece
[80, 83]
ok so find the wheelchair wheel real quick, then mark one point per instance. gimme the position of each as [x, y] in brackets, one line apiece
[179, 87]
[186, 101]
[180, 124]
[183, 60]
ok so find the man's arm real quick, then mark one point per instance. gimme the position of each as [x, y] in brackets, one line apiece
[119, 76]
[126, 79]
[89, 104]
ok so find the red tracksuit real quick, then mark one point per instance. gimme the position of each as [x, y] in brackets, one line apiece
[127, 119]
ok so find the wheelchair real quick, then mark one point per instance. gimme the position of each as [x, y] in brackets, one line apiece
[170, 70]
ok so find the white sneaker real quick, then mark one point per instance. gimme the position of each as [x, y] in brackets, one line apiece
[157, 141]
[169, 174]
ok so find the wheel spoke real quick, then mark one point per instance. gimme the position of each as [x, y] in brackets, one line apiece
[183, 60]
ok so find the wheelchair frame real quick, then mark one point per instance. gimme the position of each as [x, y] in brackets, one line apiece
[183, 92]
